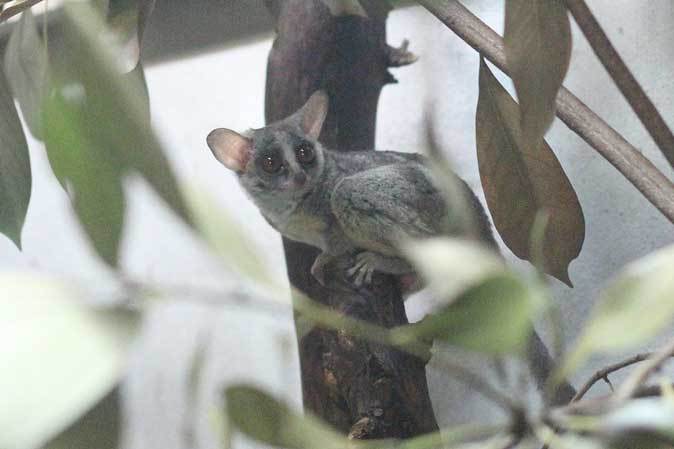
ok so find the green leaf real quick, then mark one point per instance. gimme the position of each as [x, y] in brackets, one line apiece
[99, 428]
[537, 40]
[127, 20]
[226, 237]
[26, 70]
[635, 307]
[519, 181]
[15, 174]
[65, 356]
[100, 131]
[487, 309]
[263, 418]
[137, 77]
[493, 317]
[121, 102]
[92, 173]
[451, 265]
[465, 436]
[463, 218]
[567, 440]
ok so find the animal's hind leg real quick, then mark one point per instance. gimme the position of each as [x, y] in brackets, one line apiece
[368, 262]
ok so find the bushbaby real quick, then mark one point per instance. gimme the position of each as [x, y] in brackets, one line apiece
[353, 202]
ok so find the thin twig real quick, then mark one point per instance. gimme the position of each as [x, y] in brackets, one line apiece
[641, 375]
[602, 403]
[642, 106]
[17, 9]
[603, 373]
[629, 161]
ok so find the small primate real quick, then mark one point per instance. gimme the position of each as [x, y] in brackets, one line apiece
[361, 203]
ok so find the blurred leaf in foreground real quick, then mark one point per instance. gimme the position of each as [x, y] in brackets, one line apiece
[263, 418]
[127, 20]
[485, 307]
[463, 213]
[568, 440]
[92, 173]
[635, 307]
[15, 174]
[450, 265]
[520, 180]
[99, 428]
[26, 70]
[641, 423]
[97, 130]
[493, 317]
[61, 355]
[226, 237]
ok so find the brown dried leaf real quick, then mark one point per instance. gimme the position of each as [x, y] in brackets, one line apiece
[538, 49]
[520, 180]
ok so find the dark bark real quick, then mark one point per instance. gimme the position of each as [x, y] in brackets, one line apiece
[364, 389]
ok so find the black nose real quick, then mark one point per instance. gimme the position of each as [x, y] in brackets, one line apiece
[300, 178]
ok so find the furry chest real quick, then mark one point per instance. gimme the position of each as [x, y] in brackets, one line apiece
[303, 227]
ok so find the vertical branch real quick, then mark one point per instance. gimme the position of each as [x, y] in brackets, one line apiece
[366, 390]
[642, 106]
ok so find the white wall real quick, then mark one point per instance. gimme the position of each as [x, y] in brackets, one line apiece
[225, 88]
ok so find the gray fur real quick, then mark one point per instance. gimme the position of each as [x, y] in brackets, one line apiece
[350, 202]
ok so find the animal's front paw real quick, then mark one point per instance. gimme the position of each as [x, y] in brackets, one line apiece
[362, 270]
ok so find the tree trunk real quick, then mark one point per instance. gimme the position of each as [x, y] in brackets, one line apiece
[366, 390]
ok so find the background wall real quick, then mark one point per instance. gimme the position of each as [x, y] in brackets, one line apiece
[191, 95]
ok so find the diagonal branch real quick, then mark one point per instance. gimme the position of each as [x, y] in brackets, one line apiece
[642, 106]
[603, 373]
[13, 10]
[640, 376]
[628, 160]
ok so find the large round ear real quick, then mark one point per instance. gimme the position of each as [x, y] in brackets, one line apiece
[313, 113]
[231, 148]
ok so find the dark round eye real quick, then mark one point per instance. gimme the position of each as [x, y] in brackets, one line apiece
[305, 153]
[271, 164]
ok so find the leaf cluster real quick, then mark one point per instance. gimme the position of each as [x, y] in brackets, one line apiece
[92, 114]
